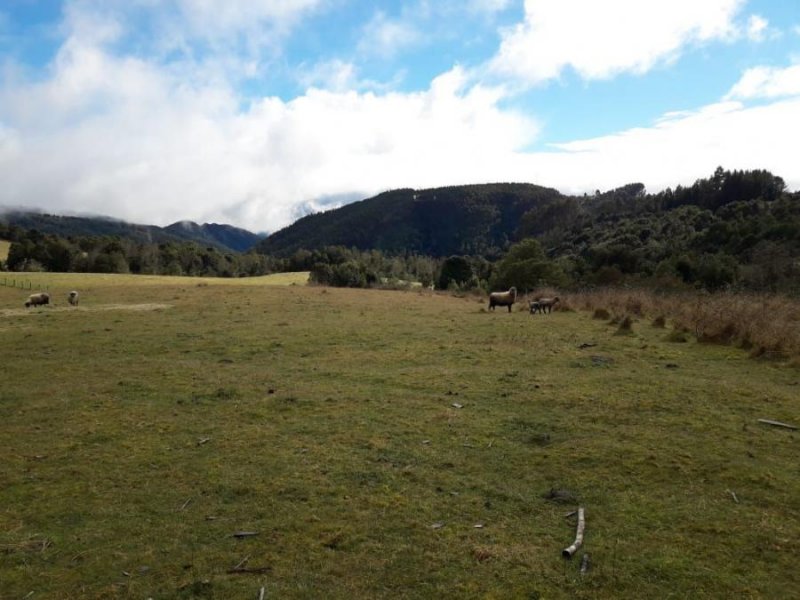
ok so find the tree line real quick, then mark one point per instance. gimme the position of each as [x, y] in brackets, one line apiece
[32, 250]
[734, 230]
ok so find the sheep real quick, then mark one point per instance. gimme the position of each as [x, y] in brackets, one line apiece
[73, 298]
[37, 299]
[534, 306]
[547, 304]
[503, 298]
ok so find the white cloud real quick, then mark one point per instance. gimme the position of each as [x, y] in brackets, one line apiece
[216, 18]
[386, 37]
[683, 147]
[158, 143]
[121, 137]
[767, 82]
[757, 28]
[602, 39]
[335, 74]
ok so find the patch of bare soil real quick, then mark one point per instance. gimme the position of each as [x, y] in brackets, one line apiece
[19, 312]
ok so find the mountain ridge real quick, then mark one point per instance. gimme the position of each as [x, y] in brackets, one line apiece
[221, 236]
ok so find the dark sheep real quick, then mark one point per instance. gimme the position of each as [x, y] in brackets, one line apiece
[39, 299]
[503, 298]
[547, 304]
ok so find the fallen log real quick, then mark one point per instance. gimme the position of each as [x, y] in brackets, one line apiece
[569, 552]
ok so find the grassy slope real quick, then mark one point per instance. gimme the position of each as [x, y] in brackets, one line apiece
[333, 435]
[89, 281]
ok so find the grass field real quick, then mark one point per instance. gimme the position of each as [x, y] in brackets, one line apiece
[364, 434]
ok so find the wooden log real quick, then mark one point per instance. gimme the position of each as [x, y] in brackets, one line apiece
[570, 551]
[777, 424]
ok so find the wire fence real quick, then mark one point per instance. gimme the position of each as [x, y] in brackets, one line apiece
[23, 284]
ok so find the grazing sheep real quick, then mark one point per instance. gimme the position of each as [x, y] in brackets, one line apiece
[503, 298]
[534, 306]
[73, 298]
[37, 299]
[546, 304]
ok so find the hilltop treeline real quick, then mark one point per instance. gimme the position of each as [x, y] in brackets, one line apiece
[32, 250]
[738, 228]
[733, 230]
[472, 220]
[223, 237]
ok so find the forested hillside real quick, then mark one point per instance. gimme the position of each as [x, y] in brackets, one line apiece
[222, 237]
[733, 228]
[477, 220]
[737, 229]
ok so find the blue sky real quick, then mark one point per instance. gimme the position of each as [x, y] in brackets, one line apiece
[253, 112]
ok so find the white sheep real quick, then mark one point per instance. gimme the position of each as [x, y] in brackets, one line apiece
[503, 298]
[39, 299]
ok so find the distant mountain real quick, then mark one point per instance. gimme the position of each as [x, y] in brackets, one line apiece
[223, 237]
[471, 219]
[228, 236]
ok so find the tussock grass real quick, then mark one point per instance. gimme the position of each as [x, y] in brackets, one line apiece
[136, 443]
[765, 324]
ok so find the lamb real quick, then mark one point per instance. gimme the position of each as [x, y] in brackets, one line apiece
[41, 298]
[503, 298]
[534, 306]
[547, 304]
[73, 298]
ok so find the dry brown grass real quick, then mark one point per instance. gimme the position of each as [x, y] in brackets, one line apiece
[766, 324]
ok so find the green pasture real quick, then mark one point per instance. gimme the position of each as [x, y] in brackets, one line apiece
[89, 281]
[380, 445]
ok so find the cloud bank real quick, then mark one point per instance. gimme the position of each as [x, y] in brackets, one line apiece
[155, 140]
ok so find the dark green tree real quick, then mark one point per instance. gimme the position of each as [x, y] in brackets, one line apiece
[456, 269]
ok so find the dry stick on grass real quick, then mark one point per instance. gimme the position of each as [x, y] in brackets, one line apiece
[185, 504]
[733, 495]
[778, 424]
[244, 534]
[249, 570]
[261, 593]
[569, 552]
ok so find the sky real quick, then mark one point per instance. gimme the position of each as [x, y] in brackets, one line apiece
[257, 112]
